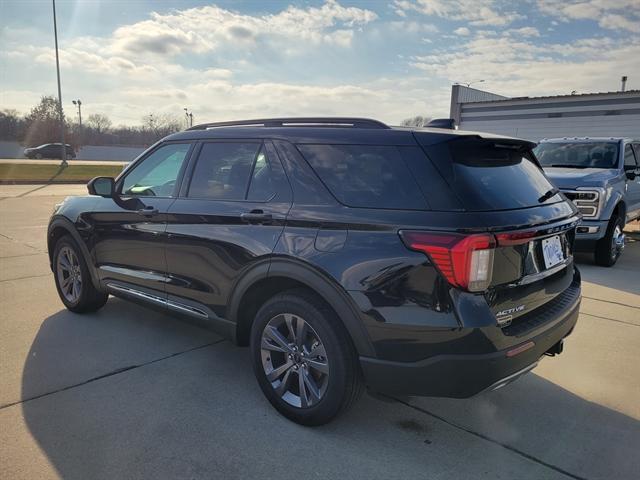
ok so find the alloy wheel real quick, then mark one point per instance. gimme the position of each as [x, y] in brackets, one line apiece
[69, 274]
[294, 360]
[617, 242]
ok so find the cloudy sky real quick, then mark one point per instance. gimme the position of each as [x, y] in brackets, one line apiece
[386, 59]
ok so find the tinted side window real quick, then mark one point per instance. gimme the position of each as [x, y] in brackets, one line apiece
[223, 170]
[156, 175]
[365, 175]
[629, 158]
[262, 186]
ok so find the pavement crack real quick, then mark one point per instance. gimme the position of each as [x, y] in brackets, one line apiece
[24, 278]
[610, 319]
[489, 439]
[110, 374]
[11, 239]
[23, 255]
[615, 303]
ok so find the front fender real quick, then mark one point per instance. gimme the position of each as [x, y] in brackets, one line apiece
[58, 224]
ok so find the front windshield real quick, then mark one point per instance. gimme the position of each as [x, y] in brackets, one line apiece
[578, 155]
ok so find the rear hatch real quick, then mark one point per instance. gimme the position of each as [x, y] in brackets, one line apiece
[528, 257]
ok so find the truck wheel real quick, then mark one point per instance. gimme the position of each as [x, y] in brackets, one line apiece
[303, 358]
[609, 248]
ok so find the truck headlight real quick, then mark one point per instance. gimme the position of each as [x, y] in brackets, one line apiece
[589, 200]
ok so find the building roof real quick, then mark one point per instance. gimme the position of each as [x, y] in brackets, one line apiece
[577, 95]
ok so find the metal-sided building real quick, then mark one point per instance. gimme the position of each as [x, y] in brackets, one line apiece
[611, 114]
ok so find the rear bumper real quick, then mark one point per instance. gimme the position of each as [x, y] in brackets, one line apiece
[462, 376]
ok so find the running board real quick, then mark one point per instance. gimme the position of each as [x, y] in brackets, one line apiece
[180, 307]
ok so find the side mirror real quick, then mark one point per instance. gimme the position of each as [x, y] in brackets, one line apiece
[103, 186]
[631, 175]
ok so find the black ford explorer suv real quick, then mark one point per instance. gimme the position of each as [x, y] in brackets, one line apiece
[344, 252]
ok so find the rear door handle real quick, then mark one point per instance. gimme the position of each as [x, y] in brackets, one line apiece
[147, 211]
[256, 216]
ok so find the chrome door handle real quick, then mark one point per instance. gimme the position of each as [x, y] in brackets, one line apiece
[256, 216]
[147, 211]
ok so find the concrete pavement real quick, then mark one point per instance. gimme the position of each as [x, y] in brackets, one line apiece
[132, 393]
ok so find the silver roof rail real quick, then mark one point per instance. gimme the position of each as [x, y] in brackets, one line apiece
[297, 122]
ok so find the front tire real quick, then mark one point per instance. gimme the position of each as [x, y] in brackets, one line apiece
[73, 280]
[610, 247]
[303, 358]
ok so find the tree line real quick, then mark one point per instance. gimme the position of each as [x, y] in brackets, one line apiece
[42, 125]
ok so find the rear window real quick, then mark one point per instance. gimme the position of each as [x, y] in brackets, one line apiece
[488, 175]
[365, 175]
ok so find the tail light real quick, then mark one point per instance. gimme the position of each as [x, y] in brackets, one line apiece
[466, 261]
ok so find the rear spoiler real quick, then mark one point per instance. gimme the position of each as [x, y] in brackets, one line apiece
[448, 123]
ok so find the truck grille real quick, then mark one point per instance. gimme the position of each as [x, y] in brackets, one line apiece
[587, 201]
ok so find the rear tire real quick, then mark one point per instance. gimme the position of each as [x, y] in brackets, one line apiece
[312, 380]
[608, 248]
[73, 280]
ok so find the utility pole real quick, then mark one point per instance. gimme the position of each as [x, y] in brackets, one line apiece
[191, 119]
[79, 103]
[61, 115]
[186, 114]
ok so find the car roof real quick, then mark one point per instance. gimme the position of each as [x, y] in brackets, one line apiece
[362, 131]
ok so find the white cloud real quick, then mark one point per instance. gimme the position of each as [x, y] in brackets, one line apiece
[203, 29]
[524, 32]
[476, 12]
[614, 21]
[515, 66]
[462, 31]
[610, 14]
[413, 26]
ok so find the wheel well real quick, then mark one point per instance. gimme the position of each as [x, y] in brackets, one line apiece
[620, 209]
[52, 239]
[255, 297]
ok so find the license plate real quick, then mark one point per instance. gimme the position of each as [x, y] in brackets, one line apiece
[552, 251]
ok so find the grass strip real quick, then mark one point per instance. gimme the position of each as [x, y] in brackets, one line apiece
[54, 173]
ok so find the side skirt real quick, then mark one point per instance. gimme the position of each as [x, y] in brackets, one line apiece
[203, 316]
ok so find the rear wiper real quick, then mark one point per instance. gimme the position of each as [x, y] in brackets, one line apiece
[548, 195]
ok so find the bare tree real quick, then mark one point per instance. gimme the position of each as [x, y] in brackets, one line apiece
[417, 121]
[158, 125]
[11, 124]
[43, 123]
[99, 122]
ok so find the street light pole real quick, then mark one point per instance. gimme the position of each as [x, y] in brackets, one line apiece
[61, 115]
[79, 113]
[79, 139]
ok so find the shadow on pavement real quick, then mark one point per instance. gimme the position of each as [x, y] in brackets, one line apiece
[200, 414]
[72, 348]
